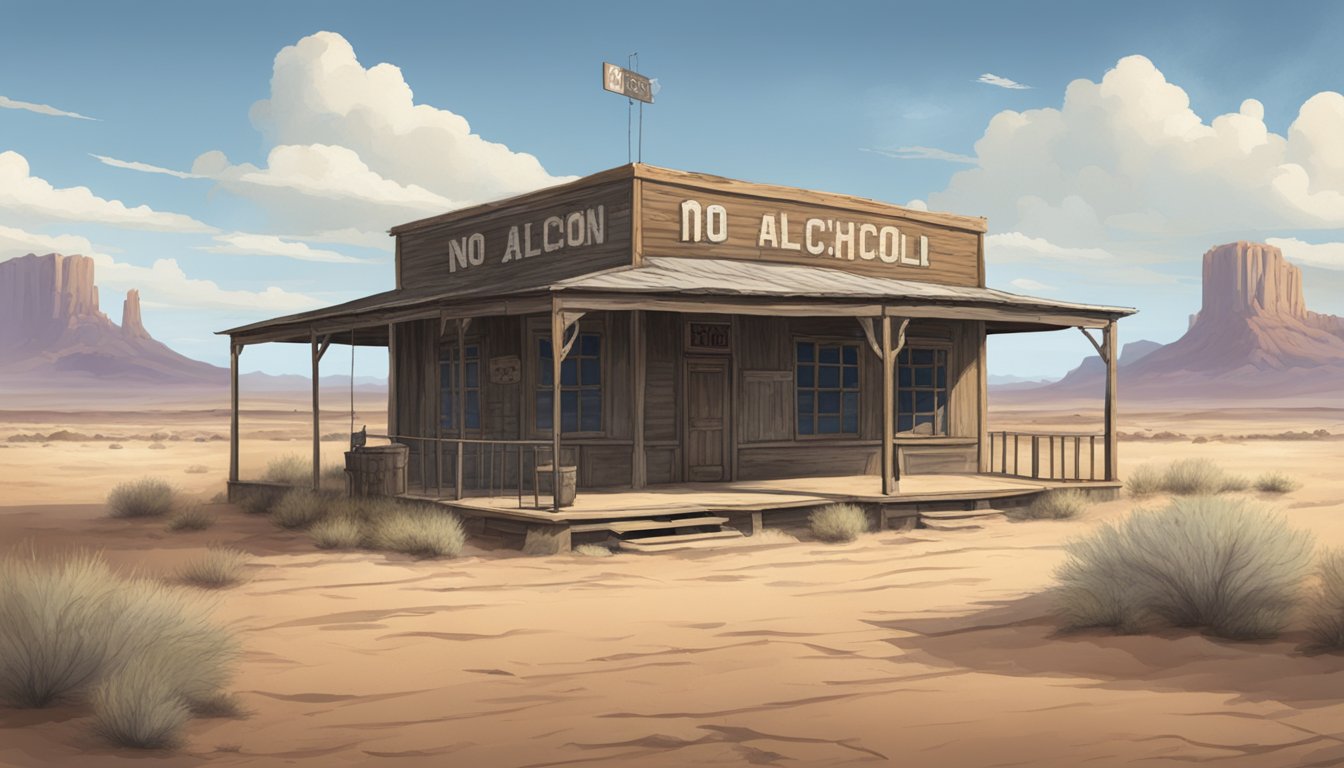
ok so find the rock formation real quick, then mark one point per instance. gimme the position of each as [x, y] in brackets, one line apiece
[131, 327]
[43, 297]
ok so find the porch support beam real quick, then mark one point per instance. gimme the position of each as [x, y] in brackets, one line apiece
[1112, 404]
[460, 396]
[557, 357]
[392, 426]
[889, 482]
[639, 471]
[235, 350]
[317, 349]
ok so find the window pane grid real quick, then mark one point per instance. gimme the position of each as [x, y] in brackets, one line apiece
[921, 391]
[580, 385]
[450, 365]
[826, 377]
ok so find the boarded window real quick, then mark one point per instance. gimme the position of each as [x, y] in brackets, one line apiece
[921, 391]
[580, 385]
[450, 370]
[827, 388]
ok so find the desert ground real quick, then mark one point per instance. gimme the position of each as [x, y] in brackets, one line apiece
[913, 648]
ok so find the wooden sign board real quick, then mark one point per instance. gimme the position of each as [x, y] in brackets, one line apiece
[630, 84]
[506, 370]
[708, 337]
[684, 221]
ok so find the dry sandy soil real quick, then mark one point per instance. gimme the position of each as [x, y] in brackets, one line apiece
[916, 648]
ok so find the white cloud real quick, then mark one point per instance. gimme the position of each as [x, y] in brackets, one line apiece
[922, 153]
[1011, 247]
[1323, 255]
[1002, 82]
[166, 285]
[917, 205]
[132, 165]
[1027, 284]
[1127, 158]
[41, 109]
[27, 195]
[16, 242]
[248, 244]
[351, 236]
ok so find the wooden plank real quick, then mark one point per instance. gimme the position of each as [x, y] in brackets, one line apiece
[741, 305]
[1112, 417]
[392, 425]
[557, 341]
[639, 474]
[682, 541]
[982, 397]
[888, 401]
[630, 526]
[708, 416]
[765, 406]
[809, 230]
[235, 350]
[317, 416]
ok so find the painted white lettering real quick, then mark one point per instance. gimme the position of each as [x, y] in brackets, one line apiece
[814, 246]
[597, 225]
[512, 252]
[547, 244]
[690, 221]
[923, 251]
[866, 252]
[574, 229]
[528, 250]
[476, 249]
[905, 255]
[716, 224]
[767, 235]
[784, 241]
[844, 240]
[889, 245]
[457, 255]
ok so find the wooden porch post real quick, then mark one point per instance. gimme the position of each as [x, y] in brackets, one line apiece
[235, 350]
[1111, 346]
[557, 357]
[317, 418]
[889, 486]
[461, 396]
[639, 474]
[392, 380]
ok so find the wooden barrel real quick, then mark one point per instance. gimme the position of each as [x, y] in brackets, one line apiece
[377, 470]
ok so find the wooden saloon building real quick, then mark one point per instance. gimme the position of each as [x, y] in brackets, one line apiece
[707, 347]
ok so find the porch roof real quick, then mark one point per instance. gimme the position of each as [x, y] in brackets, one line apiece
[693, 284]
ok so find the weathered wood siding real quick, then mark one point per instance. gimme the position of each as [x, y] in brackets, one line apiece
[662, 400]
[416, 377]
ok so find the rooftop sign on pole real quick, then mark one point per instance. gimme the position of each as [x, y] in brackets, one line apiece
[628, 83]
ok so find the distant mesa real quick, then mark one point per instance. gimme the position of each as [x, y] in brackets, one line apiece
[52, 330]
[1252, 337]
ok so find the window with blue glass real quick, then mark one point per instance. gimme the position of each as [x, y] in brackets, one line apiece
[580, 385]
[826, 376]
[450, 374]
[921, 391]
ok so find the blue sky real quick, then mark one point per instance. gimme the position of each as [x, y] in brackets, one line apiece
[1108, 190]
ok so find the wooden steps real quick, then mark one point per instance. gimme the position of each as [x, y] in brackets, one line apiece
[958, 519]
[620, 527]
[653, 544]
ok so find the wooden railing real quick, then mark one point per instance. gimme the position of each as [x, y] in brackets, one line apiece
[1046, 456]
[471, 466]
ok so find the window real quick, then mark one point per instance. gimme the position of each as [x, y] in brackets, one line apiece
[827, 385]
[449, 364]
[580, 385]
[921, 391]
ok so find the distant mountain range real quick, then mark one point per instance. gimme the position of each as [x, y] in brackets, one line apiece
[53, 335]
[1252, 338]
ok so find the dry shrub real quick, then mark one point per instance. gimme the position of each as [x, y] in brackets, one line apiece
[1143, 480]
[771, 536]
[838, 522]
[191, 517]
[333, 477]
[593, 550]
[289, 470]
[418, 531]
[1327, 615]
[197, 469]
[337, 533]
[157, 447]
[1229, 566]
[257, 501]
[1186, 477]
[1276, 482]
[1057, 504]
[146, 651]
[300, 508]
[218, 568]
[146, 497]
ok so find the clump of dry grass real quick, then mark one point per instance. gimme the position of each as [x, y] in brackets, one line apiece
[838, 522]
[1276, 482]
[341, 532]
[218, 568]
[137, 706]
[592, 550]
[333, 477]
[1186, 477]
[257, 501]
[771, 536]
[288, 470]
[191, 517]
[418, 531]
[300, 508]
[1057, 504]
[146, 497]
[197, 469]
[1229, 566]
[1327, 614]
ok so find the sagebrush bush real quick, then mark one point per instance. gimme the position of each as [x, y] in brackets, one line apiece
[1327, 615]
[218, 568]
[70, 626]
[300, 508]
[1186, 477]
[191, 517]
[257, 501]
[337, 533]
[1229, 566]
[418, 531]
[592, 550]
[1143, 480]
[333, 477]
[1276, 482]
[1057, 504]
[838, 522]
[289, 470]
[196, 469]
[146, 497]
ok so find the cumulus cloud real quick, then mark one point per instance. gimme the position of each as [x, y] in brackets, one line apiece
[1002, 82]
[1323, 255]
[1027, 284]
[249, 244]
[32, 196]
[1010, 247]
[922, 153]
[1126, 157]
[16, 242]
[166, 285]
[41, 109]
[132, 165]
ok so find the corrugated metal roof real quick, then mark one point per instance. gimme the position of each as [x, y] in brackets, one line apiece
[724, 277]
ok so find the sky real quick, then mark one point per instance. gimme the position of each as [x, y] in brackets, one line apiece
[241, 161]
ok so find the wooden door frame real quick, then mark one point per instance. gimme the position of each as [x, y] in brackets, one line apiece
[729, 412]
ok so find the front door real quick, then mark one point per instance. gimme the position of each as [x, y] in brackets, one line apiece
[707, 417]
